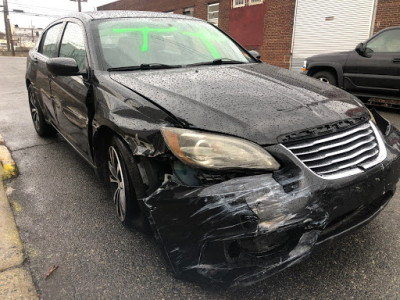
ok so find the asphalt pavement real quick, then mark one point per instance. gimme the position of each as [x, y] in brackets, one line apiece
[66, 219]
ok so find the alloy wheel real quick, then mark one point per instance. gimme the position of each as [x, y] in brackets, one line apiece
[34, 109]
[117, 180]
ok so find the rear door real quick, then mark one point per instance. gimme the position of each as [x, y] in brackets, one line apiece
[378, 72]
[70, 92]
[48, 48]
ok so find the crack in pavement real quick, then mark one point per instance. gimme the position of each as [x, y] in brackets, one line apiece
[39, 145]
[13, 93]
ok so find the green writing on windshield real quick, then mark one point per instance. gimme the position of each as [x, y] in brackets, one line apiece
[206, 41]
[145, 31]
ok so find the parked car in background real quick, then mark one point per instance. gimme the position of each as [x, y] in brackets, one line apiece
[240, 168]
[372, 69]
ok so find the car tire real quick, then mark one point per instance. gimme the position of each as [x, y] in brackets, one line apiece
[126, 186]
[42, 128]
[326, 76]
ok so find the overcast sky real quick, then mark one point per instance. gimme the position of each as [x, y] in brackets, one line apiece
[48, 10]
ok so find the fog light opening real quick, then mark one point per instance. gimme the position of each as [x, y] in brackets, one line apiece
[232, 251]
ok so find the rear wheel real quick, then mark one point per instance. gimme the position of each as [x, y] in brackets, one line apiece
[326, 76]
[126, 186]
[42, 128]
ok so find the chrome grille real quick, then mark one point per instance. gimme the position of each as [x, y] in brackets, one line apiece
[342, 154]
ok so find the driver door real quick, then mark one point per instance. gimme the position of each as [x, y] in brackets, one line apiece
[69, 93]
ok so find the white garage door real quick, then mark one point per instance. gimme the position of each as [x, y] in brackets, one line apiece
[323, 26]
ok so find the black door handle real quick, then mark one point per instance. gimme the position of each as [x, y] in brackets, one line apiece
[35, 60]
[396, 60]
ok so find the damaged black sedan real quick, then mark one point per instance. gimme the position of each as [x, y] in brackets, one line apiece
[239, 168]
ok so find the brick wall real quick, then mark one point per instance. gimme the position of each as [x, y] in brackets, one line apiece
[387, 14]
[200, 8]
[146, 5]
[278, 31]
[246, 25]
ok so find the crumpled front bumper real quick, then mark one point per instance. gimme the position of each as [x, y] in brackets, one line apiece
[248, 228]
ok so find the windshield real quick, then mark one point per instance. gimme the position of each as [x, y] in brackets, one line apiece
[165, 42]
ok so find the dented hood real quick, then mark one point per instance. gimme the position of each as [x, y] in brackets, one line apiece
[258, 102]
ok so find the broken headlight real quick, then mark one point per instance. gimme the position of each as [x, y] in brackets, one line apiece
[214, 151]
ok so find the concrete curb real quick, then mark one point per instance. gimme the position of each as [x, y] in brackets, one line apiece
[15, 281]
[7, 162]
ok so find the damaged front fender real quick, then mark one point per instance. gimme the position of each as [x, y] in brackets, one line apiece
[133, 118]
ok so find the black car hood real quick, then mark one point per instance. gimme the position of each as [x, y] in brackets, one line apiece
[258, 102]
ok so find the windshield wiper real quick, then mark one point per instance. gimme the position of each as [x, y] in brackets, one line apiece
[144, 67]
[218, 61]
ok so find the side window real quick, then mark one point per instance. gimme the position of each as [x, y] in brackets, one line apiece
[73, 44]
[388, 41]
[49, 44]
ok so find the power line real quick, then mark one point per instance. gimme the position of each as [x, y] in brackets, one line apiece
[47, 8]
[32, 14]
[41, 7]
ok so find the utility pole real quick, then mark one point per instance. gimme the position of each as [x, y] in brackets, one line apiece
[33, 39]
[5, 10]
[8, 28]
[79, 4]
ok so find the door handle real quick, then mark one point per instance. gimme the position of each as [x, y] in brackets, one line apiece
[35, 60]
[396, 60]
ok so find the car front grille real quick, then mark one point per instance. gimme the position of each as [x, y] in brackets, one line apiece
[342, 154]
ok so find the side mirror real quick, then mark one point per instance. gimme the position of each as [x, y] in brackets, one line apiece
[63, 66]
[255, 54]
[360, 49]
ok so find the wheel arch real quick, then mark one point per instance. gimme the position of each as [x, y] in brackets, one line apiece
[334, 68]
[148, 166]
[138, 146]
[28, 83]
[102, 136]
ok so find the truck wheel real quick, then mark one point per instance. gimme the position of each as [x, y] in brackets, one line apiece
[326, 76]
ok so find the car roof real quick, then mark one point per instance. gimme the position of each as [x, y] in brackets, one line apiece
[112, 14]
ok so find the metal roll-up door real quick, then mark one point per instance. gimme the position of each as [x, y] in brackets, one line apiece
[323, 26]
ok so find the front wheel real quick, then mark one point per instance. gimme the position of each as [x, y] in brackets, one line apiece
[126, 186]
[327, 77]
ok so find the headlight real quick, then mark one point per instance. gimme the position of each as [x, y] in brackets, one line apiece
[372, 116]
[214, 151]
